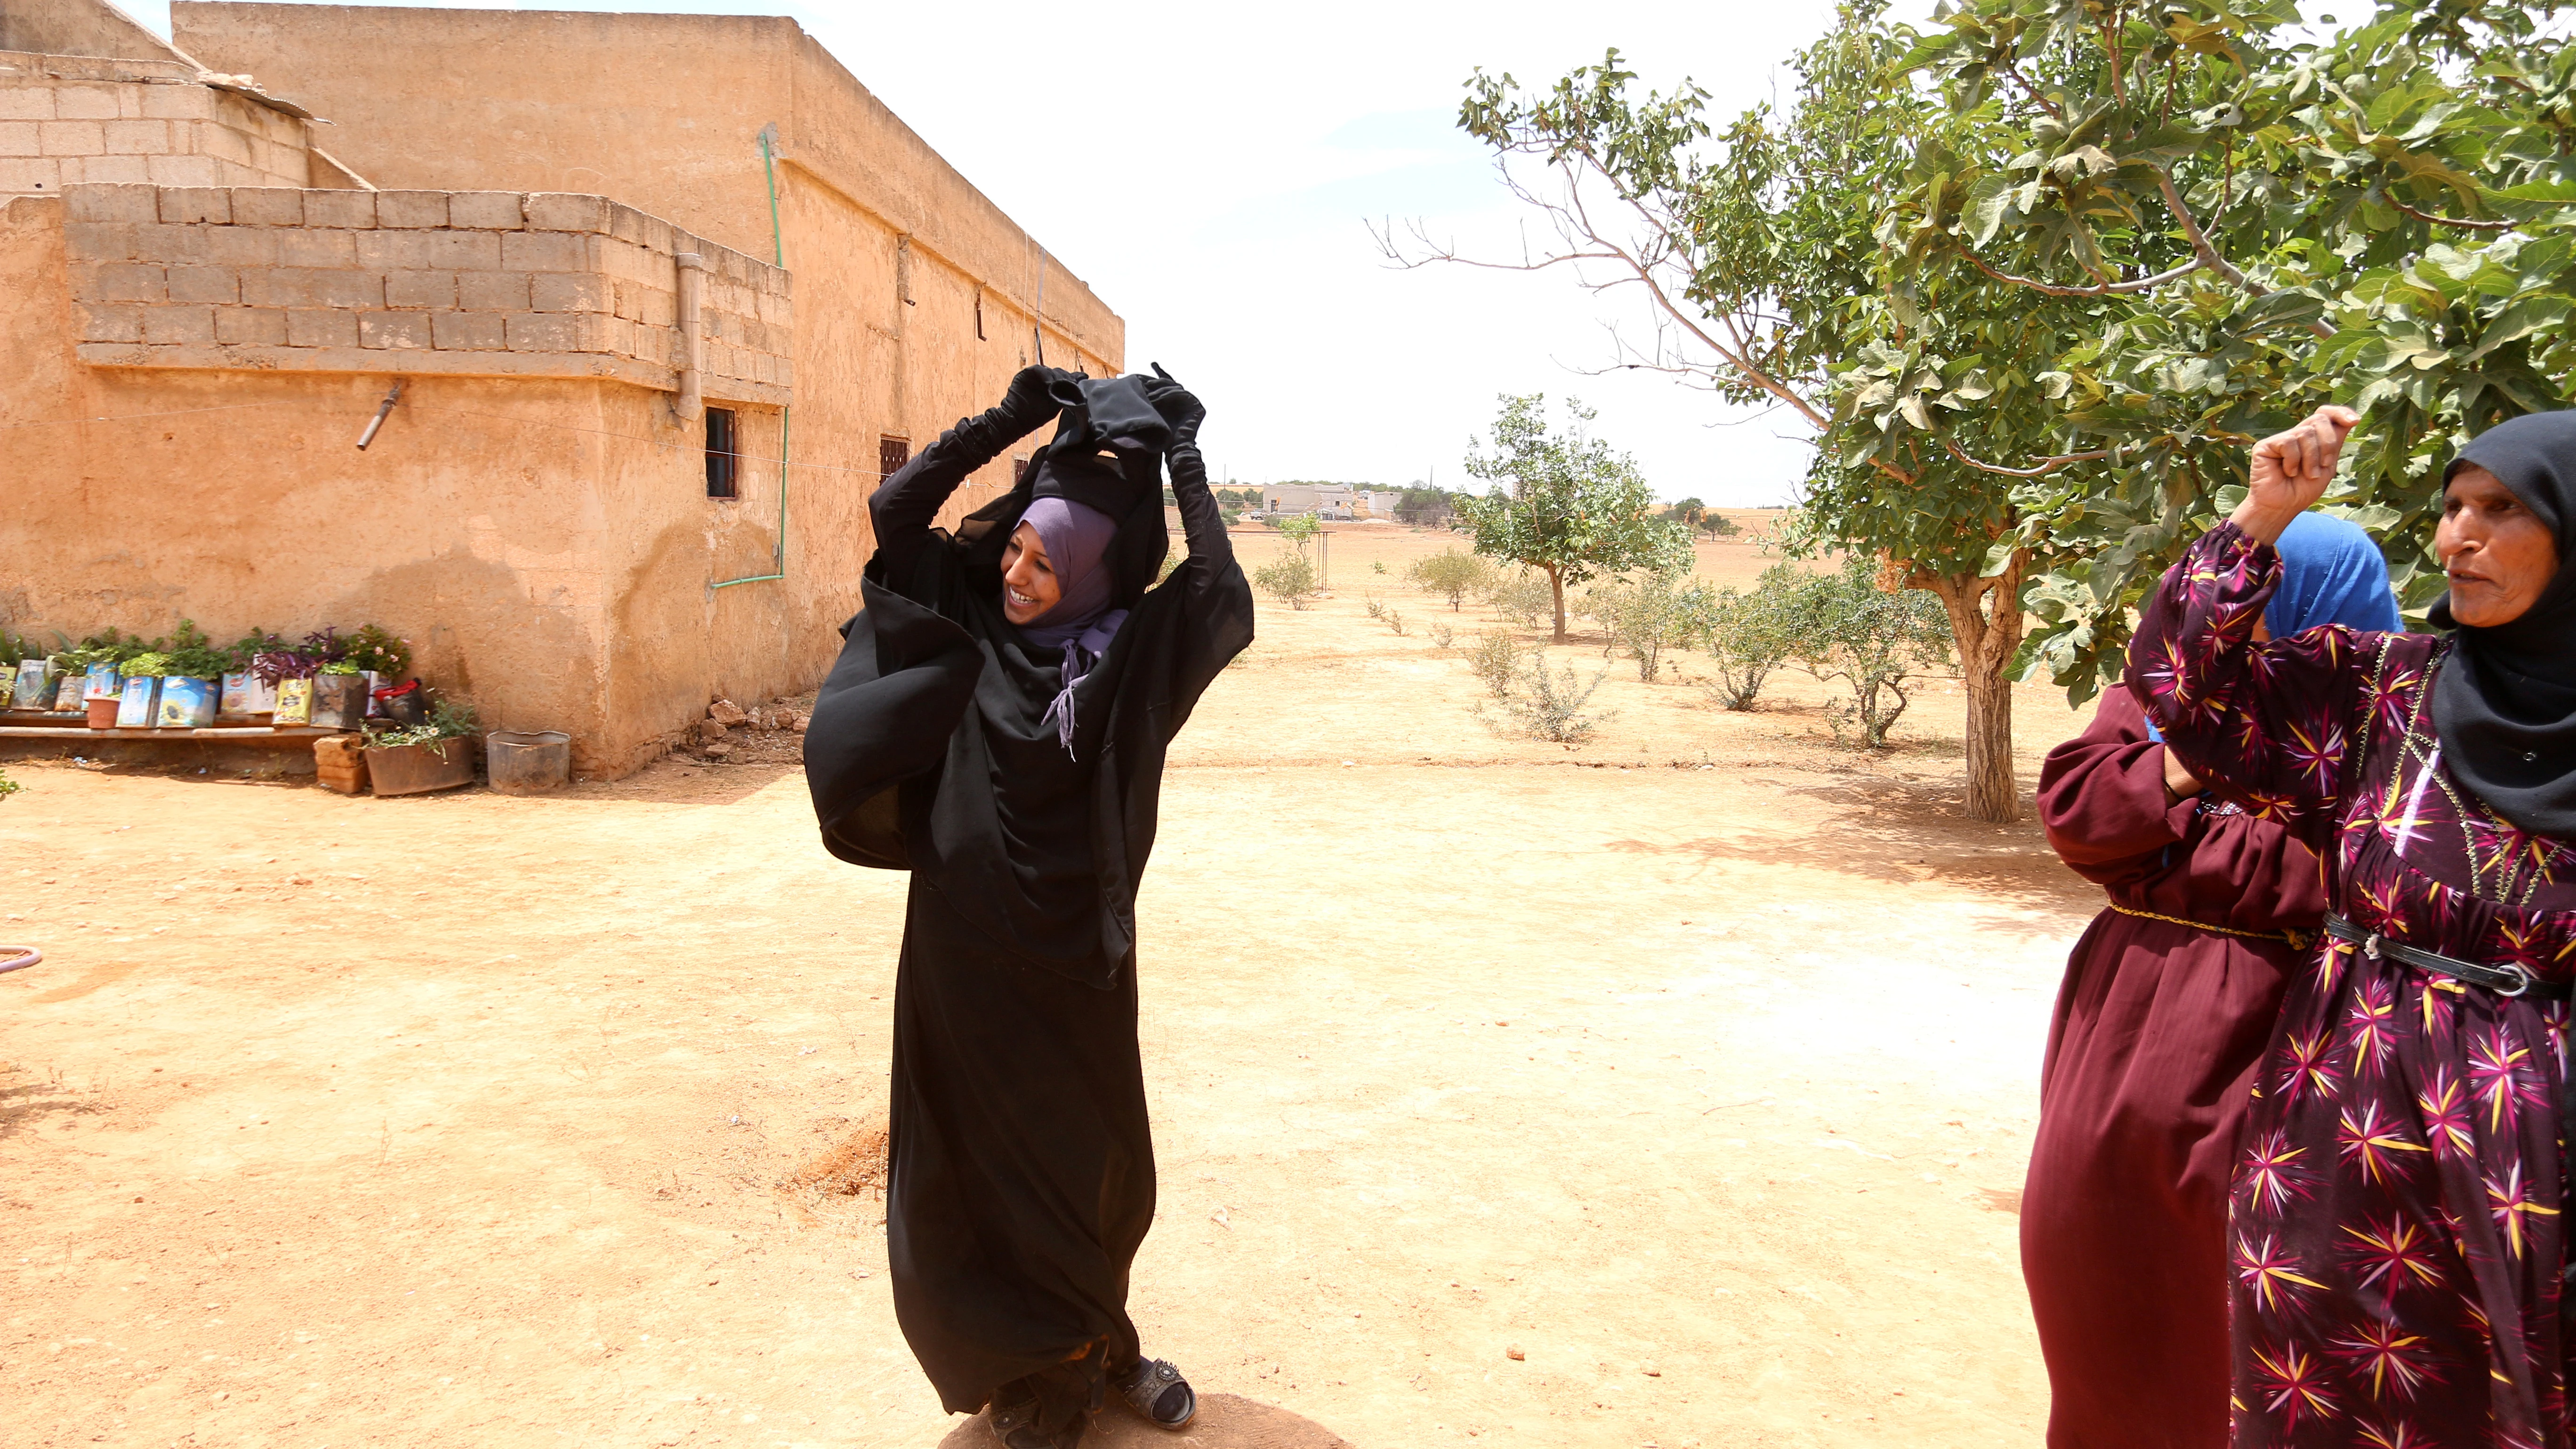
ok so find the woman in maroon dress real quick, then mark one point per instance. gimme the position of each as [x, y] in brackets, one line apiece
[2168, 999]
[2396, 1241]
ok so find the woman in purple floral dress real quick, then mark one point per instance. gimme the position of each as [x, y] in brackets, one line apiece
[2396, 1241]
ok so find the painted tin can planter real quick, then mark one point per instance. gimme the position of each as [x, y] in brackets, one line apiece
[104, 682]
[294, 702]
[339, 701]
[35, 679]
[72, 695]
[187, 704]
[134, 712]
[247, 694]
[418, 769]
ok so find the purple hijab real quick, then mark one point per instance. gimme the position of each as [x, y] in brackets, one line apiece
[1081, 623]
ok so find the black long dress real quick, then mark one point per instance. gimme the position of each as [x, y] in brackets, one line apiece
[1022, 1162]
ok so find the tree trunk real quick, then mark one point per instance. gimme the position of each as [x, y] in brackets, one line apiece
[1556, 583]
[1986, 625]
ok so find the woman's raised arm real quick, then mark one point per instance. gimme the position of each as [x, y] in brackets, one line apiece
[901, 509]
[2273, 726]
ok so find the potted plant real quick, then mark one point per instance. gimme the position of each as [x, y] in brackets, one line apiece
[100, 659]
[30, 673]
[437, 755]
[290, 673]
[142, 696]
[339, 696]
[384, 659]
[193, 679]
[13, 653]
[245, 692]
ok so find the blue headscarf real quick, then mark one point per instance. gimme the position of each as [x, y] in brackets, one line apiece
[2331, 573]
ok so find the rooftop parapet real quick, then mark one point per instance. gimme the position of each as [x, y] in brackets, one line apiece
[461, 283]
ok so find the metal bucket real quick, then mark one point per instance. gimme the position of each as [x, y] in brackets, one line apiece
[527, 762]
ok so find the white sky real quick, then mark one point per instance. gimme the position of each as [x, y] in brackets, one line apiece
[1271, 134]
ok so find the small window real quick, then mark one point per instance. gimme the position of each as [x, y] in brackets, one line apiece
[724, 454]
[1019, 471]
[892, 454]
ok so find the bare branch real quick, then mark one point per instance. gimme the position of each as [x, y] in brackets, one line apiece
[2450, 220]
[2103, 289]
[2201, 245]
[2046, 465]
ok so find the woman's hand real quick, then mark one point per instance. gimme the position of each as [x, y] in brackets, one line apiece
[2290, 472]
[1028, 405]
[2180, 784]
[1178, 405]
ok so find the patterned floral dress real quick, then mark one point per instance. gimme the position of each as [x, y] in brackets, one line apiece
[2395, 1238]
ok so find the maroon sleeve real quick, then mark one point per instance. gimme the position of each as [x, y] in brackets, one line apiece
[2266, 724]
[2102, 797]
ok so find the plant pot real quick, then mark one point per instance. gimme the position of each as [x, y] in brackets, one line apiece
[418, 769]
[34, 677]
[72, 694]
[405, 706]
[339, 701]
[134, 712]
[527, 762]
[102, 682]
[247, 694]
[102, 713]
[294, 702]
[187, 704]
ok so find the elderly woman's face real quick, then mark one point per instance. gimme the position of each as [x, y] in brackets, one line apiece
[1029, 584]
[2498, 554]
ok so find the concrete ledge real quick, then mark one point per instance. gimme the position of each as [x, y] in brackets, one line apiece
[421, 362]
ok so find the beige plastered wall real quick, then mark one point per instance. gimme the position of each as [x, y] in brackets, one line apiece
[545, 543]
[892, 251]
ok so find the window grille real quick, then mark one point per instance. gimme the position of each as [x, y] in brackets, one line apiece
[892, 454]
[724, 455]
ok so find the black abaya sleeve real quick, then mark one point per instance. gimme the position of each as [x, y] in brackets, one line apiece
[1214, 600]
[908, 672]
[901, 509]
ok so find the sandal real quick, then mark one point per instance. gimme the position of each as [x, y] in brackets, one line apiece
[1157, 1391]
[1016, 1426]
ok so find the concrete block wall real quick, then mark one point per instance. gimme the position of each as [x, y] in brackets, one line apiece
[465, 283]
[73, 120]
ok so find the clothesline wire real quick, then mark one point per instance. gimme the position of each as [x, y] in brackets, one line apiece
[634, 438]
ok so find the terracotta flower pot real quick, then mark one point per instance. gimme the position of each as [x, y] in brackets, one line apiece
[102, 713]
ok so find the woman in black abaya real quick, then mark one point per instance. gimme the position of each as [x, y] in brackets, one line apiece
[996, 725]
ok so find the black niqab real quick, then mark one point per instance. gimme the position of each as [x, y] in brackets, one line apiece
[2505, 704]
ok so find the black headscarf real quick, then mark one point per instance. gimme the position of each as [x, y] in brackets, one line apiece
[2505, 704]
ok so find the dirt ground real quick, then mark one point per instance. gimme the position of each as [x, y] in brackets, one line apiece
[1670, 1091]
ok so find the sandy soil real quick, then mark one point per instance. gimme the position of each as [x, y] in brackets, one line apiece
[1670, 1091]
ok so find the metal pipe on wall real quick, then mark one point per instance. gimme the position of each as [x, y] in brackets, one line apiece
[692, 401]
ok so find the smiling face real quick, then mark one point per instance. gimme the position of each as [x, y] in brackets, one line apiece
[2498, 554]
[1029, 584]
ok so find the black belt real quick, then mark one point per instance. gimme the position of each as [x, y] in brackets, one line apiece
[2504, 980]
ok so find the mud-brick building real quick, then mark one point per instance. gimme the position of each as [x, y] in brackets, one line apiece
[656, 300]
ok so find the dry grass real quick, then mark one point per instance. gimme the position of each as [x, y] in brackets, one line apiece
[855, 1167]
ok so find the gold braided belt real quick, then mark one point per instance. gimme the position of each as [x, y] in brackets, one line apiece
[2296, 939]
